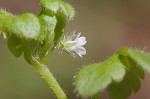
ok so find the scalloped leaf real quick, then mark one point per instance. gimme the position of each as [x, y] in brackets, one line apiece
[30, 27]
[95, 78]
[140, 57]
[26, 25]
[37, 32]
[131, 82]
[58, 6]
[48, 25]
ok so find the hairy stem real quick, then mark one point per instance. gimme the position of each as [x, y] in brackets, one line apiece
[49, 78]
[48, 54]
[45, 73]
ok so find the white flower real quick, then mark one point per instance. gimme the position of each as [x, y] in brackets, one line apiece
[74, 44]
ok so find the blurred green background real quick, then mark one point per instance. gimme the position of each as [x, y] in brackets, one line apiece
[107, 24]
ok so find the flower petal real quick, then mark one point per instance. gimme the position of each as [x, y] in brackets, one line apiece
[74, 43]
[81, 41]
[72, 49]
[80, 51]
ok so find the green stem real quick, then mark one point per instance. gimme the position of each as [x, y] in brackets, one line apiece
[45, 73]
[49, 78]
[48, 54]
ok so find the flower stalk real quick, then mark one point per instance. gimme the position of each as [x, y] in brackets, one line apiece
[49, 78]
[44, 71]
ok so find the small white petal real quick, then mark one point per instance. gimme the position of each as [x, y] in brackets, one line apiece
[73, 49]
[81, 41]
[77, 49]
[81, 51]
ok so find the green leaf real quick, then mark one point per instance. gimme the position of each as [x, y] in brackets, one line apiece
[132, 66]
[6, 21]
[48, 25]
[26, 25]
[123, 90]
[96, 77]
[131, 82]
[57, 6]
[37, 36]
[127, 64]
[15, 45]
[38, 31]
[140, 57]
[67, 10]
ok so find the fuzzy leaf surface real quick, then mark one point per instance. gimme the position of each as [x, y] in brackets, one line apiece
[96, 77]
[58, 6]
[127, 64]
